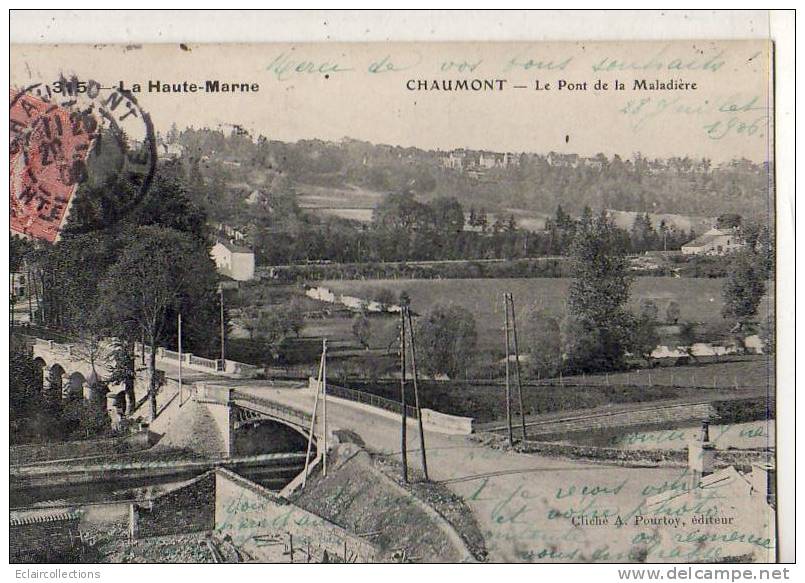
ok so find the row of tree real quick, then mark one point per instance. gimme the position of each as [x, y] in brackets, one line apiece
[404, 228]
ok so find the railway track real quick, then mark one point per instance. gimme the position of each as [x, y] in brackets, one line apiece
[582, 421]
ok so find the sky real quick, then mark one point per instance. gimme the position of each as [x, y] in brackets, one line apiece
[363, 91]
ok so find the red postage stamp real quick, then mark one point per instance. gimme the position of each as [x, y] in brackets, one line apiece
[49, 145]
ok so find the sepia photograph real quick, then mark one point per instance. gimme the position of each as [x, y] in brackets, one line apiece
[393, 302]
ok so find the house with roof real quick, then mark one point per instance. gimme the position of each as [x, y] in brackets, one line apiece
[454, 159]
[233, 260]
[730, 511]
[714, 242]
[44, 535]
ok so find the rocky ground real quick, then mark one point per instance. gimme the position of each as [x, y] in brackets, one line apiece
[111, 545]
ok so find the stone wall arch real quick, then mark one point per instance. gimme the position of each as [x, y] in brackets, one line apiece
[76, 386]
[56, 378]
[42, 377]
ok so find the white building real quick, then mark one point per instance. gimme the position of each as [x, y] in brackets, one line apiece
[713, 242]
[233, 260]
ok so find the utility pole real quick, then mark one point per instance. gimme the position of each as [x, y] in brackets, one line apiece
[313, 417]
[181, 395]
[508, 372]
[324, 403]
[13, 301]
[223, 326]
[403, 413]
[517, 366]
[416, 393]
[28, 287]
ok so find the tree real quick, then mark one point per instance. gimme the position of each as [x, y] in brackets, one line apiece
[643, 236]
[401, 211]
[123, 371]
[511, 224]
[82, 419]
[272, 326]
[597, 297]
[728, 221]
[448, 215]
[249, 320]
[446, 338]
[159, 272]
[582, 347]
[645, 338]
[544, 343]
[295, 314]
[481, 220]
[687, 338]
[362, 329]
[25, 381]
[744, 287]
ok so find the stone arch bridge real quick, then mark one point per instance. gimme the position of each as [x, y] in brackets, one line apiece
[68, 371]
[73, 371]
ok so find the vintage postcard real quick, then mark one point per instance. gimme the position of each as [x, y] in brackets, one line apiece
[393, 303]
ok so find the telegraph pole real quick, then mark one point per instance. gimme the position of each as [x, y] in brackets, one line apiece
[324, 402]
[28, 288]
[508, 373]
[517, 366]
[223, 326]
[403, 414]
[416, 393]
[313, 416]
[12, 302]
[181, 395]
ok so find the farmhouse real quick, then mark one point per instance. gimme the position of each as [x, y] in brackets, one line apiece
[714, 242]
[233, 260]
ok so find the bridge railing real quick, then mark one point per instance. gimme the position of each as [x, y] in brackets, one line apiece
[369, 399]
[203, 362]
[269, 406]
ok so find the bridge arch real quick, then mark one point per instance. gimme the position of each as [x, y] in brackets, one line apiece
[95, 389]
[75, 386]
[42, 375]
[264, 434]
[234, 412]
[57, 378]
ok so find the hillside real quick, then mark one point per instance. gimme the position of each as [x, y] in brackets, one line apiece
[349, 174]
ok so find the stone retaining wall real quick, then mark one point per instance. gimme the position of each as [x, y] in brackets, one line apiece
[189, 508]
[648, 457]
[252, 515]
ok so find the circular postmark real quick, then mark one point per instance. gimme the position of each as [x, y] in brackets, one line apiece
[57, 130]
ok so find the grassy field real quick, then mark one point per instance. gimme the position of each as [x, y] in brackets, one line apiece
[699, 299]
[745, 372]
[352, 203]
